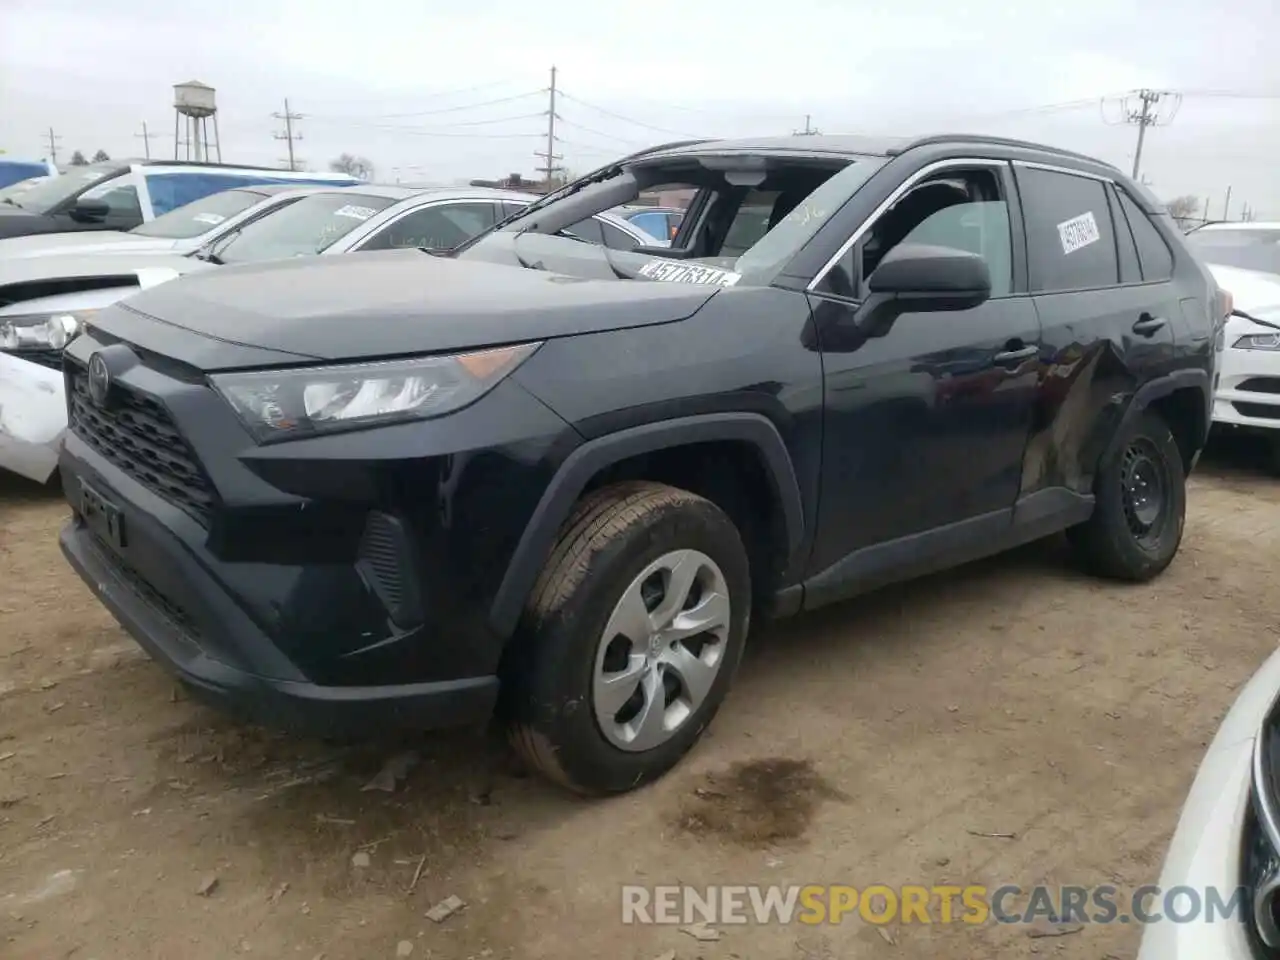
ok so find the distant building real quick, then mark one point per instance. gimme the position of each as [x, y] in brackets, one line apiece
[513, 181]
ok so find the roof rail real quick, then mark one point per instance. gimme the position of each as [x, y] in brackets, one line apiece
[943, 138]
[161, 162]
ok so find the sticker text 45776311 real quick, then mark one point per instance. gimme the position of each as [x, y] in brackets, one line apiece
[1078, 232]
[671, 271]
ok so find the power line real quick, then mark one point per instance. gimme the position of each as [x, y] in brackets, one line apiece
[809, 129]
[601, 133]
[455, 109]
[631, 120]
[443, 128]
[289, 136]
[1143, 113]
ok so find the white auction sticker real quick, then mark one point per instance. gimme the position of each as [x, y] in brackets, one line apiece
[356, 213]
[671, 271]
[1078, 232]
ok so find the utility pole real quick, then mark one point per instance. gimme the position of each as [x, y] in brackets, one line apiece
[1144, 117]
[289, 136]
[809, 129]
[146, 139]
[550, 157]
[53, 147]
[1226, 204]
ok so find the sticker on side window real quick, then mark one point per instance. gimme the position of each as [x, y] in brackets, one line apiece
[1078, 232]
[671, 271]
[213, 218]
[356, 213]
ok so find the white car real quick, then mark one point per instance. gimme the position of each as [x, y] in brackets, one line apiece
[1228, 836]
[71, 289]
[1248, 394]
[184, 230]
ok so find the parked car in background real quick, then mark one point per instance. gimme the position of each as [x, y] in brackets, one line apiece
[183, 230]
[1250, 246]
[661, 223]
[1248, 397]
[46, 300]
[1228, 837]
[122, 195]
[582, 467]
[15, 171]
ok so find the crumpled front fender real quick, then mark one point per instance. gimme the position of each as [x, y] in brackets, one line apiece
[33, 418]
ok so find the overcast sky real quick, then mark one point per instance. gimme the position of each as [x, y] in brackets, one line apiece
[410, 84]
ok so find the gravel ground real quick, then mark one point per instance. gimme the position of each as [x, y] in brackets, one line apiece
[867, 743]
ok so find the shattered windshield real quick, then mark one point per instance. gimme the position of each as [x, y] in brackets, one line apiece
[753, 214]
[305, 227]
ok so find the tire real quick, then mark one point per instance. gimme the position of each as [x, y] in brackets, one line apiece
[1123, 540]
[1273, 458]
[559, 715]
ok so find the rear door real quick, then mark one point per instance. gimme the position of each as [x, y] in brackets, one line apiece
[1107, 323]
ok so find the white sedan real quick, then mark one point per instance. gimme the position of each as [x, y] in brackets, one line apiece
[1248, 394]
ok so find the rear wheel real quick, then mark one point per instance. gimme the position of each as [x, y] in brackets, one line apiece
[1140, 505]
[631, 639]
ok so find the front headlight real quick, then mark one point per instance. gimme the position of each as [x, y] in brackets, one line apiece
[275, 404]
[1258, 341]
[41, 331]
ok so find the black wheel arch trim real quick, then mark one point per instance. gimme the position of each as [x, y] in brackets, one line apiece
[1158, 388]
[590, 458]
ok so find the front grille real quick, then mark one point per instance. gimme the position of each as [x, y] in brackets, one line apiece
[137, 434]
[1261, 385]
[1263, 410]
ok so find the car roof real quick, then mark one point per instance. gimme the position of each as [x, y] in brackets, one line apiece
[849, 145]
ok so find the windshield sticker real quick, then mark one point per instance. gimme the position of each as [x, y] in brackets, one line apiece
[1078, 232]
[213, 218]
[356, 213]
[672, 272]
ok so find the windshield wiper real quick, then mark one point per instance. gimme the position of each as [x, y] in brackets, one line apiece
[208, 256]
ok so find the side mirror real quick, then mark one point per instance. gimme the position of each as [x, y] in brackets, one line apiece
[931, 278]
[90, 211]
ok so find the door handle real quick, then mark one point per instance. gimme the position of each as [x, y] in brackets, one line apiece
[1017, 355]
[1148, 325]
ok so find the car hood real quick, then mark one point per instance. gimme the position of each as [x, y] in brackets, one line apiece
[96, 241]
[1252, 290]
[71, 268]
[16, 222]
[389, 303]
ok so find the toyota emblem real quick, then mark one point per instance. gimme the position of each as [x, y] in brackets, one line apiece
[99, 380]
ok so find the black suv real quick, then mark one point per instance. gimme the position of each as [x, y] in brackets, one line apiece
[549, 480]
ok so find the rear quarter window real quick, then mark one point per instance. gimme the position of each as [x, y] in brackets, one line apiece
[1071, 244]
[1154, 254]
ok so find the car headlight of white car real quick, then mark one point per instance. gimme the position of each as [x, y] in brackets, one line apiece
[1258, 341]
[1261, 854]
[41, 331]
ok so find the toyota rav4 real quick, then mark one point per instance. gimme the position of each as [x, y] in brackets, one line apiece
[554, 482]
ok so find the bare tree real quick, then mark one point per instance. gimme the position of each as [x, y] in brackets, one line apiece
[1183, 208]
[100, 156]
[78, 160]
[359, 167]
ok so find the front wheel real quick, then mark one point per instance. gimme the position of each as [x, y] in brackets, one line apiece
[1140, 505]
[631, 638]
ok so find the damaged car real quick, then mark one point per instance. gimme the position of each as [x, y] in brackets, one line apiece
[554, 482]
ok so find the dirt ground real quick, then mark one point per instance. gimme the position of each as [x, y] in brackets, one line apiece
[868, 743]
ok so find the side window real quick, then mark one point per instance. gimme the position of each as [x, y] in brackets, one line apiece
[1129, 269]
[1153, 252]
[588, 230]
[121, 198]
[1070, 241]
[440, 227]
[616, 238]
[961, 209]
[654, 224]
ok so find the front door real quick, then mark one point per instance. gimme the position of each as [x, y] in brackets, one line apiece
[926, 423]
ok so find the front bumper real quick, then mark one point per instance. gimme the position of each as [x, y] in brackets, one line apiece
[33, 418]
[1249, 389]
[292, 704]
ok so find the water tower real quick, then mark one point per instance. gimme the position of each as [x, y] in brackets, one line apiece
[193, 105]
